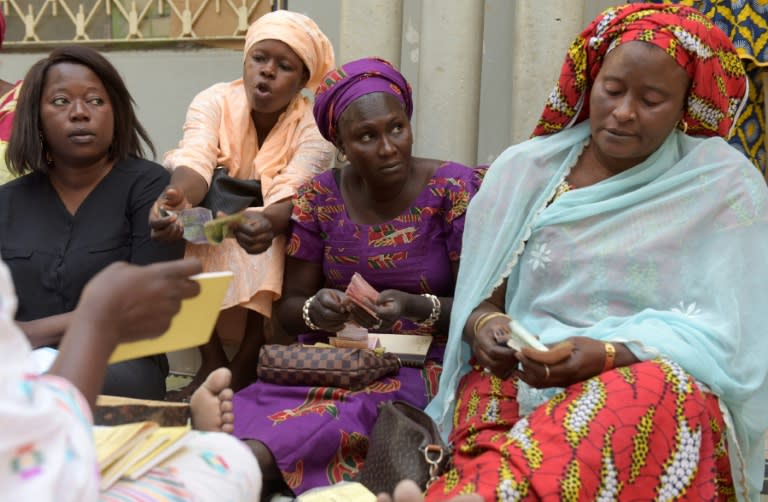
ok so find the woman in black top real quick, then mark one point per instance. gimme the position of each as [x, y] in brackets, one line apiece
[82, 201]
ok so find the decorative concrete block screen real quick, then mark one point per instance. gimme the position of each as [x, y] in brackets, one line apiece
[33, 24]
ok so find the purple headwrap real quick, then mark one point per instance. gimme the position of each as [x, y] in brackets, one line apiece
[345, 84]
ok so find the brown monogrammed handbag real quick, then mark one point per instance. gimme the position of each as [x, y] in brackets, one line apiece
[404, 444]
[311, 366]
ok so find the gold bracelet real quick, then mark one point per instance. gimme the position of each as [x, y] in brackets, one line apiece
[610, 356]
[483, 320]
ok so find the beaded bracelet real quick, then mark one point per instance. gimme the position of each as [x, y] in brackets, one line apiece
[435, 314]
[484, 318]
[305, 314]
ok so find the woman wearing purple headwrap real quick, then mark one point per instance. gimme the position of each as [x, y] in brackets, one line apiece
[393, 218]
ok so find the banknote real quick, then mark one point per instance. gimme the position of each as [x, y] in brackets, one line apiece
[521, 337]
[200, 227]
[362, 294]
[194, 220]
[218, 229]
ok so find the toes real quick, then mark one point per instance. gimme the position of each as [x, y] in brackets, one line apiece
[225, 406]
[226, 395]
[218, 380]
[407, 491]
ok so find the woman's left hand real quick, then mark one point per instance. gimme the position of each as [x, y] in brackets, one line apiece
[586, 360]
[254, 233]
[362, 317]
[392, 305]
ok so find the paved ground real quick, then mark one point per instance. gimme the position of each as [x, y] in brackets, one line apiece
[176, 381]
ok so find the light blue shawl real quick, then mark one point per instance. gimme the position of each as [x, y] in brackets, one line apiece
[670, 256]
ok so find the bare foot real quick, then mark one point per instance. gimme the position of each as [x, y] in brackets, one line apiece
[405, 491]
[211, 403]
[408, 491]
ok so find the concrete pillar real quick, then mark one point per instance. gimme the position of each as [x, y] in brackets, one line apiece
[543, 30]
[450, 61]
[370, 28]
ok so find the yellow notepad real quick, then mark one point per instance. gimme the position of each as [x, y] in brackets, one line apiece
[191, 326]
[128, 451]
[160, 445]
[340, 492]
[113, 442]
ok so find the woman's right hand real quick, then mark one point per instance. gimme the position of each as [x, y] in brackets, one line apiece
[168, 227]
[254, 233]
[135, 302]
[328, 310]
[491, 351]
[122, 303]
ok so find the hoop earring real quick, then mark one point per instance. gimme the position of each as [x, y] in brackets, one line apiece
[684, 125]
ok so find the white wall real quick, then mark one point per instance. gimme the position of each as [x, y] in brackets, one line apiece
[162, 82]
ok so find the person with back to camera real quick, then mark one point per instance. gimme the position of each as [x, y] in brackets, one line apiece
[82, 200]
[395, 219]
[631, 238]
[258, 127]
[46, 442]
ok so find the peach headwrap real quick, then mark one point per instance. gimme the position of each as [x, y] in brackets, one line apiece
[219, 131]
[301, 34]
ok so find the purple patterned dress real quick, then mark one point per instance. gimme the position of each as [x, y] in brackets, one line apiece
[319, 435]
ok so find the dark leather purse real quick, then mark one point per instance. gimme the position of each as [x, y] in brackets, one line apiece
[231, 195]
[404, 444]
[311, 366]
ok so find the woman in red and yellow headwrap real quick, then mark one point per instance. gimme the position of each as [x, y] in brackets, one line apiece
[745, 22]
[630, 238]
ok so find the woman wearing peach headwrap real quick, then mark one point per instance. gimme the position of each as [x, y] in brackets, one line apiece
[258, 127]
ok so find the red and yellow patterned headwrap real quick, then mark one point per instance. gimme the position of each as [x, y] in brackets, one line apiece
[718, 83]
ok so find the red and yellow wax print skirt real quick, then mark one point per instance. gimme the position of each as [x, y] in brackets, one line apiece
[641, 432]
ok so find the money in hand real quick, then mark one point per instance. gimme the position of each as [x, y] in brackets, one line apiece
[362, 294]
[194, 220]
[220, 228]
[200, 227]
